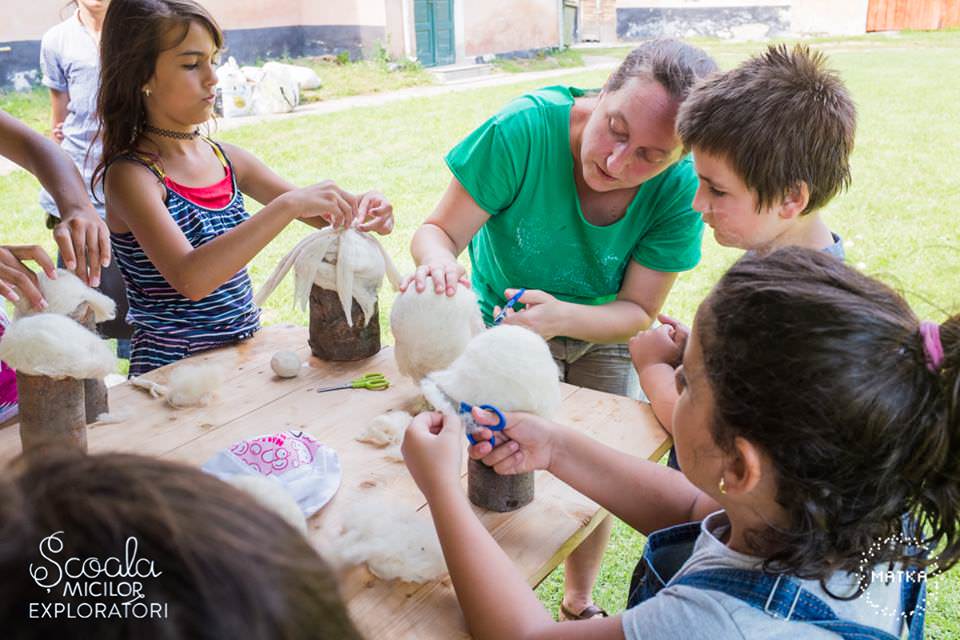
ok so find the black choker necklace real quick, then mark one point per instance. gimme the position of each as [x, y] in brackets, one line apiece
[179, 135]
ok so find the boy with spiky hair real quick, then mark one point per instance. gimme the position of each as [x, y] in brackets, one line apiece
[771, 141]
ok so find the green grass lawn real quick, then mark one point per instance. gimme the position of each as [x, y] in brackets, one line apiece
[896, 217]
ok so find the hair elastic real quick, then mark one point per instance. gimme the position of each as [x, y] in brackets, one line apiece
[932, 347]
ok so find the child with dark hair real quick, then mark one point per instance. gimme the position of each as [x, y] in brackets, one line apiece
[181, 233]
[207, 560]
[787, 520]
[771, 142]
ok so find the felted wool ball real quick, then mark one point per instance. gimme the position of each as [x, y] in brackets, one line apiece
[507, 366]
[430, 330]
[285, 364]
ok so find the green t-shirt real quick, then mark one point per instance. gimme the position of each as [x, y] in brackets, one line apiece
[518, 167]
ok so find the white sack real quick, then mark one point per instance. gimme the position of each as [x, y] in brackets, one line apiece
[305, 77]
[394, 540]
[431, 329]
[53, 345]
[65, 294]
[507, 366]
[235, 91]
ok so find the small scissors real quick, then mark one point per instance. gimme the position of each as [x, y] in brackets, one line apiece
[472, 425]
[373, 381]
[509, 305]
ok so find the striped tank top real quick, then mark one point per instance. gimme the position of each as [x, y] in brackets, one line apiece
[166, 325]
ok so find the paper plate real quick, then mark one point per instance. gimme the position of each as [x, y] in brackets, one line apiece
[308, 470]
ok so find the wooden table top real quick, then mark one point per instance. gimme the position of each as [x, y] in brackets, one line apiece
[253, 401]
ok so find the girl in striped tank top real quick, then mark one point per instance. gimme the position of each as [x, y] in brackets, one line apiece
[174, 198]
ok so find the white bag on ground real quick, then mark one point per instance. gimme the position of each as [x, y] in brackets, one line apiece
[305, 77]
[235, 91]
[277, 91]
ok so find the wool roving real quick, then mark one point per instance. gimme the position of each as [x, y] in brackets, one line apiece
[431, 329]
[64, 294]
[347, 261]
[507, 366]
[53, 345]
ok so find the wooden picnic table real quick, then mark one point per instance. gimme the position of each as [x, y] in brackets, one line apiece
[253, 401]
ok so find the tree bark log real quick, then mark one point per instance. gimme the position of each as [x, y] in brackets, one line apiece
[51, 411]
[489, 490]
[331, 338]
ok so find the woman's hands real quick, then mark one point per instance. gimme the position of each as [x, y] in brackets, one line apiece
[542, 313]
[445, 272]
[15, 275]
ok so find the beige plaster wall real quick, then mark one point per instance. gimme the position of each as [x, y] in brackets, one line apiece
[498, 26]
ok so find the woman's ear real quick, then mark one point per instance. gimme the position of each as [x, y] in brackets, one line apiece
[795, 200]
[744, 472]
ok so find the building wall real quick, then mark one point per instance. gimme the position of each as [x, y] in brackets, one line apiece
[505, 26]
[751, 19]
[255, 29]
[829, 16]
[598, 20]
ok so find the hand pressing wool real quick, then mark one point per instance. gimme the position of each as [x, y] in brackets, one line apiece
[65, 294]
[507, 366]
[431, 329]
[347, 261]
[52, 345]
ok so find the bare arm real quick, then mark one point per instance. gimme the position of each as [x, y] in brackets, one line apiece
[58, 113]
[136, 204]
[82, 236]
[443, 236]
[496, 600]
[640, 297]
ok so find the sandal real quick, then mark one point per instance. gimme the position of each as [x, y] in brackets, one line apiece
[588, 612]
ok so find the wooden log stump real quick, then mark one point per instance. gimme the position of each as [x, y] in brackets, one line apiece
[489, 490]
[331, 338]
[95, 396]
[51, 411]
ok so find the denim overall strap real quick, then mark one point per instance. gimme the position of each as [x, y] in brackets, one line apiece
[781, 597]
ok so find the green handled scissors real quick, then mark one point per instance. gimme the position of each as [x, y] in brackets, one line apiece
[373, 381]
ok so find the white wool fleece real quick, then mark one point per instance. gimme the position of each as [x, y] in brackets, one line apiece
[393, 539]
[55, 346]
[347, 261]
[65, 294]
[431, 329]
[507, 366]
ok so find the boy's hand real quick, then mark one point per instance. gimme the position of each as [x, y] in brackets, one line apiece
[375, 213]
[14, 275]
[527, 443]
[680, 332]
[654, 346]
[542, 313]
[433, 451]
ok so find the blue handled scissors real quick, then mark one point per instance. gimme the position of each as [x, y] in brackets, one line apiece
[472, 425]
[509, 305]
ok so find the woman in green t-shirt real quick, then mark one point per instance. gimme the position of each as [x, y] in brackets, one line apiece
[585, 200]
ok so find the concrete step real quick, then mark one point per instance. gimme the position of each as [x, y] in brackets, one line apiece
[456, 72]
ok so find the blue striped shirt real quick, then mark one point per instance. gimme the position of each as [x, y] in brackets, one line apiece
[167, 325]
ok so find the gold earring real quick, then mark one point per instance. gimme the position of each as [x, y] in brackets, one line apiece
[722, 485]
